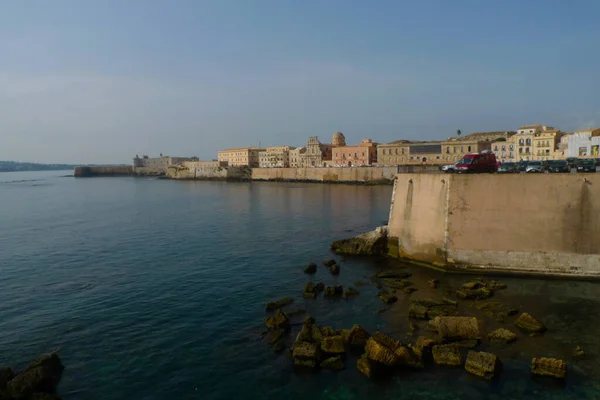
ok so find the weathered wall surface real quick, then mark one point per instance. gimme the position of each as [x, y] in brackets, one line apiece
[200, 172]
[149, 171]
[105, 170]
[544, 224]
[366, 174]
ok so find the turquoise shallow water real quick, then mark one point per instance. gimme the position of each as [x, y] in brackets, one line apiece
[153, 289]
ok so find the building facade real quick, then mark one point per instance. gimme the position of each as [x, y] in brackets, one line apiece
[584, 143]
[348, 156]
[243, 156]
[161, 162]
[297, 157]
[317, 154]
[275, 157]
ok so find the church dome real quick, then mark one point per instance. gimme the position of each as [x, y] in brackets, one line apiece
[338, 139]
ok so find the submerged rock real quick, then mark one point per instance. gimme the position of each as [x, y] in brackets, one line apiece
[296, 311]
[446, 354]
[485, 365]
[502, 336]
[578, 352]
[274, 305]
[433, 283]
[278, 347]
[328, 331]
[409, 290]
[335, 269]
[397, 283]
[549, 367]
[334, 363]
[329, 263]
[368, 367]
[381, 348]
[457, 328]
[529, 324]
[311, 268]
[319, 287]
[310, 290]
[306, 354]
[386, 297]
[334, 291]
[393, 275]
[423, 341]
[360, 283]
[358, 336]
[410, 356]
[467, 343]
[41, 376]
[418, 312]
[278, 321]
[350, 292]
[333, 345]
[481, 293]
[370, 243]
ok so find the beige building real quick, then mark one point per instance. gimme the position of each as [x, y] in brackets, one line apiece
[161, 162]
[275, 157]
[455, 148]
[317, 154]
[297, 157]
[394, 153]
[363, 154]
[531, 142]
[240, 156]
[546, 145]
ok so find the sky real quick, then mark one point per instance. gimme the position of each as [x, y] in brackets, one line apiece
[99, 81]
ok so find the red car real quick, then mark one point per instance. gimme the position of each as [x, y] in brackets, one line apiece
[474, 163]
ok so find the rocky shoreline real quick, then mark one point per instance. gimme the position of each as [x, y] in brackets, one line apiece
[37, 381]
[449, 338]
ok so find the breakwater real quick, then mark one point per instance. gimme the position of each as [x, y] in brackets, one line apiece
[348, 175]
[533, 224]
[103, 170]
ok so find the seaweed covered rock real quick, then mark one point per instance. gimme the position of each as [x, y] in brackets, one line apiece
[423, 341]
[381, 348]
[306, 354]
[409, 290]
[433, 283]
[41, 376]
[335, 269]
[329, 263]
[319, 287]
[311, 268]
[549, 367]
[457, 328]
[274, 305]
[350, 292]
[485, 365]
[334, 291]
[393, 275]
[481, 293]
[370, 243]
[501, 336]
[310, 332]
[310, 291]
[368, 367]
[578, 352]
[496, 310]
[410, 356]
[358, 336]
[396, 283]
[529, 324]
[426, 308]
[446, 354]
[417, 311]
[278, 321]
[333, 345]
[386, 297]
[334, 363]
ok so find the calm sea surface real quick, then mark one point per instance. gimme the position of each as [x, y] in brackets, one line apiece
[154, 289]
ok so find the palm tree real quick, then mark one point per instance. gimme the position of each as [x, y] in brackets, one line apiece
[458, 132]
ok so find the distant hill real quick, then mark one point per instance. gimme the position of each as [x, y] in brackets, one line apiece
[14, 166]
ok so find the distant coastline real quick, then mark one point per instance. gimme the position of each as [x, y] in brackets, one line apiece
[17, 166]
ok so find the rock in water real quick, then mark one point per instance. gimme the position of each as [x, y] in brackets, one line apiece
[386, 297]
[381, 348]
[417, 311]
[358, 336]
[350, 292]
[333, 345]
[367, 367]
[446, 354]
[485, 365]
[502, 336]
[529, 324]
[41, 376]
[333, 291]
[335, 269]
[409, 290]
[311, 268]
[475, 294]
[410, 356]
[6, 374]
[549, 367]
[310, 290]
[328, 331]
[457, 328]
[274, 305]
[278, 321]
[306, 354]
[329, 263]
[334, 363]
[296, 311]
[578, 352]
[370, 243]
[393, 275]
[433, 283]
[320, 287]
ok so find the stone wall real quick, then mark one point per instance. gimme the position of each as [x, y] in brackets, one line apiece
[535, 224]
[358, 175]
[199, 171]
[103, 170]
[150, 171]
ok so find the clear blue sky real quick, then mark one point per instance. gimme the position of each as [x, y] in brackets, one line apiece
[99, 81]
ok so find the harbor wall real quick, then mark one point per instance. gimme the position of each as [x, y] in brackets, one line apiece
[535, 224]
[206, 171]
[103, 170]
[358, 174]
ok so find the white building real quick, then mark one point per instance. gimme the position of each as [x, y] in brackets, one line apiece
[584, 143]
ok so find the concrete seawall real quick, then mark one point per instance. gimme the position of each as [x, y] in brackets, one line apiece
[536, 224]
[103, 170]
[357, 175]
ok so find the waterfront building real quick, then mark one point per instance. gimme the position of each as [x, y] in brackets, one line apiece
[158, 163]
[545, 145]
[317, 154]
[363, 154]
[275, 157]
[393, 153]
[455, 148]
[338, 139]
[242, 156]
[297, 157]
[584, 143]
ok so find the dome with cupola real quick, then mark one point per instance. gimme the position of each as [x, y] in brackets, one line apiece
[338, 139]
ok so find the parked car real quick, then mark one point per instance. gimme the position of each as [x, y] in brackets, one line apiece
[478, 162]
[534, 166]
[572, 161]
[508, 168]
[449, 168]
[523, 166]
[558, 166]
[586, 166]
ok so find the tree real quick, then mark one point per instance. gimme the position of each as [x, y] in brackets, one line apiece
[458, 132]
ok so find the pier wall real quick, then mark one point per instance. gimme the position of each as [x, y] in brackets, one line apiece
[206, 171]
[536, 224]
[358, 174]
[103, 170]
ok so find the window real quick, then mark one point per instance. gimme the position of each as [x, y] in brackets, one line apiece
[384, 152]
[520, 150]
[469, 149]
[462, 149]
[448, 150]
[363, 153]
[503, 147]
[454, 150]
[403, 150]
[527, 150]
[528, 142]
[521, 142]
[396, 151]
[512, 146]
[496, 148]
